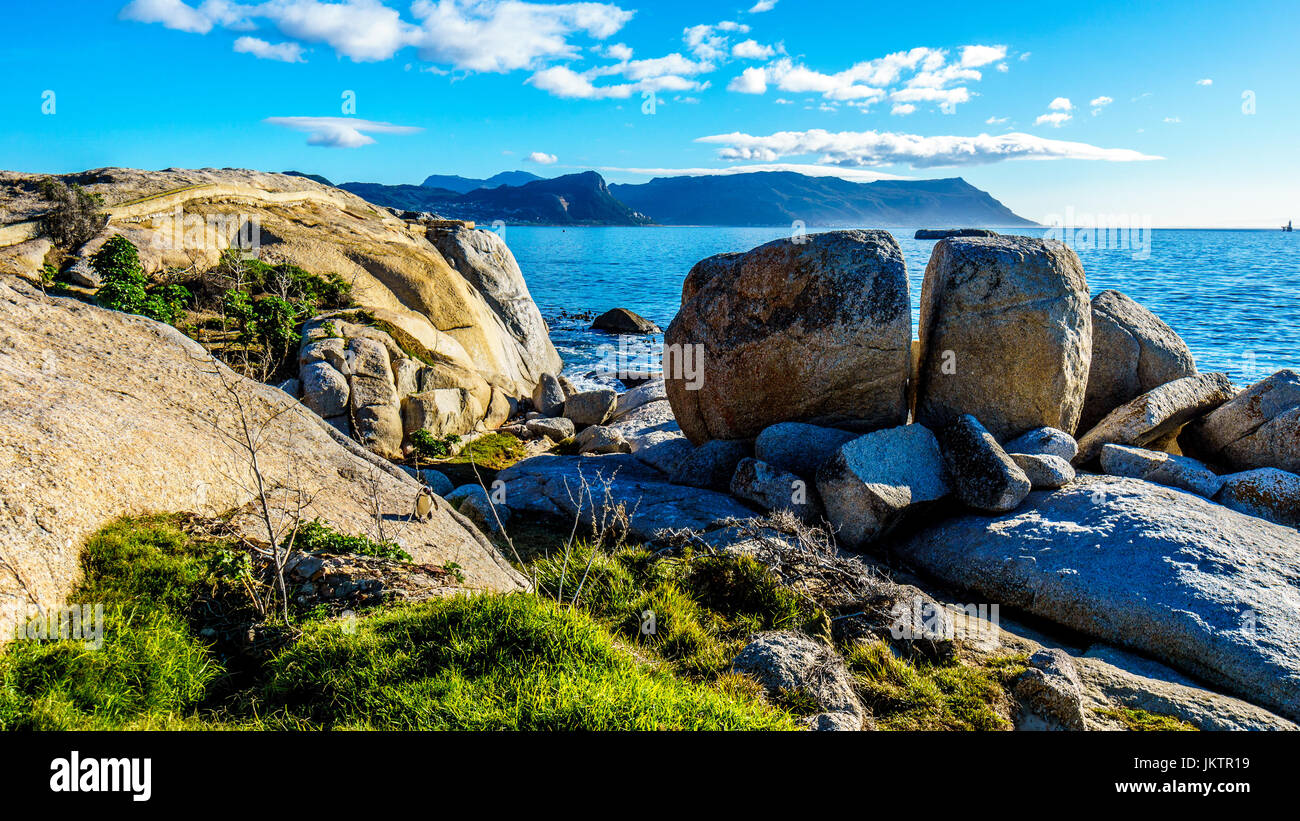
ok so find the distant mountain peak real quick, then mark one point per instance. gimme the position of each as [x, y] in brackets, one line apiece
[463, 185]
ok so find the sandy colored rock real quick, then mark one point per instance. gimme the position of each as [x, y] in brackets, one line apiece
[815, 329]
[548, 396]
[1268, 493]
[107, 414]
[590, 407]
[485, 261]
[1133, 351]
[600, 439]
[1005, 334]
[1258, 428]
[396, 273]
[441, 412]
[1156, 414]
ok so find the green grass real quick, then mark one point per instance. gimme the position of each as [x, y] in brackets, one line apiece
[1142, 721]
[514, 662]
[484, 662]
[705, 608]
[150, 670]
[495, 451]
[924, 696]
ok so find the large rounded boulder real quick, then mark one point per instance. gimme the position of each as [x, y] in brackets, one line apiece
[1133, 351]
[1005, 335]
[815, 329]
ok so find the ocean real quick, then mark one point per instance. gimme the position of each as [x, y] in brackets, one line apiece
[1233, 295]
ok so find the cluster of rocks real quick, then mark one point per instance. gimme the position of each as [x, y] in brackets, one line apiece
[1166, 526]
[358, 378]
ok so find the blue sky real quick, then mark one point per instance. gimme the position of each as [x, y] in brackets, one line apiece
[1186, 113]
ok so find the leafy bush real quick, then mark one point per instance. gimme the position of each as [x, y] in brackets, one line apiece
[75, 217]
[317, 537]
[126, 288]
[428, 446]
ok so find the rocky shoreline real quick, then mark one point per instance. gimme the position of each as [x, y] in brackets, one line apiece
[1031, 448]
[1120, 535]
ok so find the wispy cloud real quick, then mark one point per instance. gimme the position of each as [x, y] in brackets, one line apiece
[467, 35]
[762, 6]
[284, 52]
[919, 75]
[1059, 113]
[808, 170]
[1205, 82]
[872, 148]
[339, 132]
[1098, 103]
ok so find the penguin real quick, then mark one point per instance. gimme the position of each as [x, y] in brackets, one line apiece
[424, 504]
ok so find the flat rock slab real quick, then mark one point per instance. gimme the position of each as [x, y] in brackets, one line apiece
[1207, 590]
[1156, 413]
[552, 484]
[1181, 472]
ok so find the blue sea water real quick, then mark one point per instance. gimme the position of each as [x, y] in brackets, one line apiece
[1233, 295]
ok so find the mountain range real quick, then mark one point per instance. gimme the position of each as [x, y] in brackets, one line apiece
[750, 199]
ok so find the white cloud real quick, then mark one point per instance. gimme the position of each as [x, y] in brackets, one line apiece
[871, 148]
[850, 174]
[925, 76]
[1173, 119]
[752, 50]
[1205, 82]
[750, 81]
[284, 52]
[976, 56]
[339, 132]
[762, 6]
[1025, 56]
[504, 35]
[1055, 119]
[668, 73]
[541, 158]
[173, 14]
[995, 120]
[618, 51]
[711, 42]
[1060, 104]
[563, 81]
[902, 109]
[1098, 103]
[468, 35]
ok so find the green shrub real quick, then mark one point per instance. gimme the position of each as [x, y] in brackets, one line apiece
[126, 288]
[75, 217]
[428, 446]
[317, 537]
